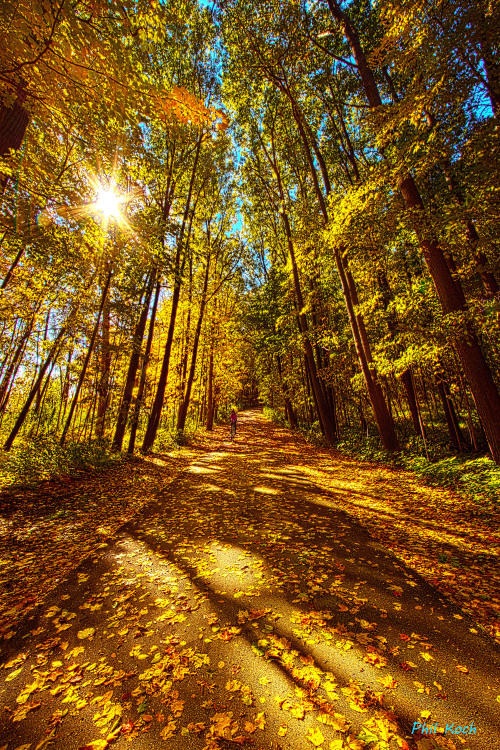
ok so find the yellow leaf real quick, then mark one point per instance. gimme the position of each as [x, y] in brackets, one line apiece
[87, 633]
[426, 655]
[260, 720]
[233, 685]
[13, 674]
[298, 712]
[462, 668]
[283, 729]
[388, 681]
[316, 737]
[340, 723]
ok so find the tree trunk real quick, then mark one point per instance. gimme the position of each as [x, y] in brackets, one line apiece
[407, 381]
[144, 372]
[105, 367]
[210, 397]
[86, 360]
[383, 417]
[13, 123]
[154, 419]
[323, 411]
[34, 390]
[123, 411]
[292, 419]
[183, 410]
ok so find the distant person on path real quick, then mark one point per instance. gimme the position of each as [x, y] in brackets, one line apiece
[234, 420]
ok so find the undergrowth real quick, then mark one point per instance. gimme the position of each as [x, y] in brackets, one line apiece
[42, 458]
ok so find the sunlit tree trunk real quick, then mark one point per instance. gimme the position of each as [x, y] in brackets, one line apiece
[210, 396]
[290, 414]
[383, 417]
[34, 390]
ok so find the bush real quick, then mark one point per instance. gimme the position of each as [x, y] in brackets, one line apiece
[275, 415]
[42, 458]
[477, 478]
[170, 439]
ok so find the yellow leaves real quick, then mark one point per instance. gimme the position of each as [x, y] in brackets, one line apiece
[177, 707]
[110, 714]
[14, 674]
[27, 691]
[23, 710]
[315, 736]
[221, 725]
[426, 656]
[86, 633]
[260, 720]
[336, 721]
[388, 681]
[233, 686]
[298, 712]
[283, 729]
[186, 107]
[330, 689]
[97, 745]
[462, 668]
[421, 688]
[377, 660]
[168, 730]
[15, 661]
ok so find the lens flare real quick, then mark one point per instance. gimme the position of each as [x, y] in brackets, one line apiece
[108, 203]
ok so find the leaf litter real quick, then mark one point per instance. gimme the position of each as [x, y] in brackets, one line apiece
[213, 621]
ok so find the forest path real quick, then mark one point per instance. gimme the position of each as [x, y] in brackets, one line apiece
[244, 606]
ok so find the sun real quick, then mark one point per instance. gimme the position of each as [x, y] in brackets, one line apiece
[108, 203]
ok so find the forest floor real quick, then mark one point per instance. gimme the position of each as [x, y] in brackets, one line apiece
[263, 592]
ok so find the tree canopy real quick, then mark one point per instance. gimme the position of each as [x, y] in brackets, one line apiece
[302, 211]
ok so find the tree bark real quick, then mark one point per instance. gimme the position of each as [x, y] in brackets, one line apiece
[34, 390]
[104, 375]
[144, 372]
[154, 419]
[123, 411]
[183, 410]
[210, 397]
[86, 360]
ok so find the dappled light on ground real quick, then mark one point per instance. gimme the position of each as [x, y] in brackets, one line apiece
[244, 607]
